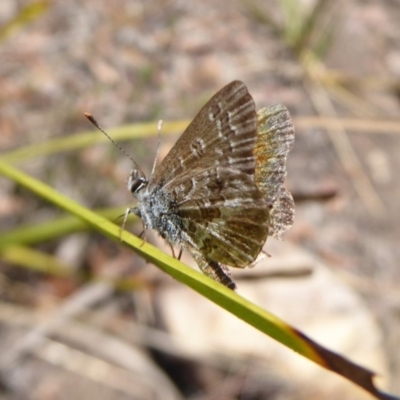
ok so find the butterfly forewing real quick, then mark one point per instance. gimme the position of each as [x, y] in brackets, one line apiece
[223, 133]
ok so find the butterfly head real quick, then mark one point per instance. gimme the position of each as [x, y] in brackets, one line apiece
[136, 181]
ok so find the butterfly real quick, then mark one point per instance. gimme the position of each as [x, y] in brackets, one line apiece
[209, 196]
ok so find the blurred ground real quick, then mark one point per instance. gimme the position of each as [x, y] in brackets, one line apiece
[132, 61]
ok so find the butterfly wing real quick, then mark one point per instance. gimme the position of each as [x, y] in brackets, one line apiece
[223, 133]
[224, 214]
[275, 138]
[281, 214]
[210, 202]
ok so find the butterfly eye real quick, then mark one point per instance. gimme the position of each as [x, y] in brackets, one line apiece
[135, 183]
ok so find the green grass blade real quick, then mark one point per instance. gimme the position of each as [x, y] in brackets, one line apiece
[224, 297]
[214, 291]
[86, 139]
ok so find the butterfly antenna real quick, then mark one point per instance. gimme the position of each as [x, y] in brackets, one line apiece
[159, 126]
[96, 124]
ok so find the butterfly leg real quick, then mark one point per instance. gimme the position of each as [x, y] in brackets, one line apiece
[172, 249]
[143, 236]
[180, 253]
[125, 215]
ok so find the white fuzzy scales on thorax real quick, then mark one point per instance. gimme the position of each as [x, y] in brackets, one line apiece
[158, 211]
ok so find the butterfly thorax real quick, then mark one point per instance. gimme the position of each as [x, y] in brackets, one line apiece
[158, 210]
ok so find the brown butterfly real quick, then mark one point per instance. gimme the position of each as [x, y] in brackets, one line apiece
[209, 194]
